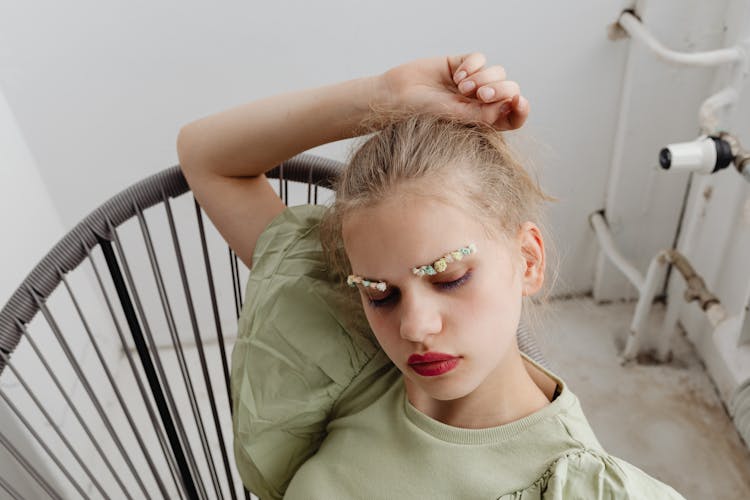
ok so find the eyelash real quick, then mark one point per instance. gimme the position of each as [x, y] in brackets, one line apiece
[448, 285]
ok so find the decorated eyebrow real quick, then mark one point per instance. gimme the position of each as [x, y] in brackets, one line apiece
[438, 266]
[441, 264]
[353, 280]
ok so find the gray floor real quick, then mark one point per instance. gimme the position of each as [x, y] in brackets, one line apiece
[666, 419]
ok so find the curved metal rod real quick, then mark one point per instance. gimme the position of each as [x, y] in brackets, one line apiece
[635, 29]
[72, 248]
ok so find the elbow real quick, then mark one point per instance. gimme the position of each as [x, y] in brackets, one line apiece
[185, 147]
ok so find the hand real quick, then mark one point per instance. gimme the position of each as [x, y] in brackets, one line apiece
[459, 86]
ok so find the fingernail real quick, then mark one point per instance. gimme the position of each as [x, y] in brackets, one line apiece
[459, 76]
[486, 93]
[505, 108]
[466, 86]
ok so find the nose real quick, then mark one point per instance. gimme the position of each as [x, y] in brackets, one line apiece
[420, 317]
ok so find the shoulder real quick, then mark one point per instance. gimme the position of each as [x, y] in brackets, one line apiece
[584, 474]
[302, 341]
[292, 296]
[293, 232]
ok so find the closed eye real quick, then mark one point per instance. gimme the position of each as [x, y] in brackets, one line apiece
[386, 301]
[455, 283]
[392, 298]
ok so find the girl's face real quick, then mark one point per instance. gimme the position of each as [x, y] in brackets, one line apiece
[464, 317]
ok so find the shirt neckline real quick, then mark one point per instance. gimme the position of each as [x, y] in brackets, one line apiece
[489, 435]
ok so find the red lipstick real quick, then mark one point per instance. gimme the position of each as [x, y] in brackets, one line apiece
[431, 364]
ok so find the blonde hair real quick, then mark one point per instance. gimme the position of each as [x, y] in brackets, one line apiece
[460, 162]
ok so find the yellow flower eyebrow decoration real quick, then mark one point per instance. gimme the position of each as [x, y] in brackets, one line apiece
[438, 266]
[441, 264]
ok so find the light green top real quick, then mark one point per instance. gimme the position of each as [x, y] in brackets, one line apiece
[320, 412]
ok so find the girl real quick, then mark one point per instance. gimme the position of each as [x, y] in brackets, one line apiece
[376, 355]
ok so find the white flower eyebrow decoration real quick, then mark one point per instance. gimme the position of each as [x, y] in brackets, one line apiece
[353, 280]
[438, 266]
[441, 264]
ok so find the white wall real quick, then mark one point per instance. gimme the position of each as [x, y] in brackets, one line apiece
[33, 225]
[30, 219]
[100, 89]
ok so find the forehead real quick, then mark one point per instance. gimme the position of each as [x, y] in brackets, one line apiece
[386, 240]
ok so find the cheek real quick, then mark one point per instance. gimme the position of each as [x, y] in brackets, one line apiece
[496, 291]
[381, 327]
[494, 304]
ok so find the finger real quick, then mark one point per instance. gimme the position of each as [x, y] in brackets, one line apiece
[480, 78]
[498, 91]
[465, 65]
[519, 113]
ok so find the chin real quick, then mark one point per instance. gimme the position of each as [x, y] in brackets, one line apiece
[446, 390]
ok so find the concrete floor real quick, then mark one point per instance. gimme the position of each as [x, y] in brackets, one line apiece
[667, 420]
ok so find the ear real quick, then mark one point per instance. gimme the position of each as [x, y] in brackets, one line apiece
[532, 253]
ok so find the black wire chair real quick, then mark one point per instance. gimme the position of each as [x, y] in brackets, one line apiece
[87, 423]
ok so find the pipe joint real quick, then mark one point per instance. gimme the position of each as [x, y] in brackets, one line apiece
[696, 287]
[741, 156]
[696, 291]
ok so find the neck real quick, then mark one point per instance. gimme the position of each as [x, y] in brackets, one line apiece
[508, 394]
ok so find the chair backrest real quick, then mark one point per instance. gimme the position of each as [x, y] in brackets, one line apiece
[122, 382]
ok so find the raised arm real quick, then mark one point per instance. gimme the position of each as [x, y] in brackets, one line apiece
[225, 155]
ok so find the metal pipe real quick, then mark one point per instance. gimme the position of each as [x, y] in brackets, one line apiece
[707, 114]
[608, 246]
[636, 30]
[696, 289]
[693, 218]
[621, 133]
[643, 308]
[727, 96]
[646, 286]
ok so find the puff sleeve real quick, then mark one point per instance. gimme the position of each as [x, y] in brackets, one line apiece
[593, 475]
[302, 340]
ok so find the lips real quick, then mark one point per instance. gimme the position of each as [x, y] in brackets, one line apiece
[432, 364]
[429, 357]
